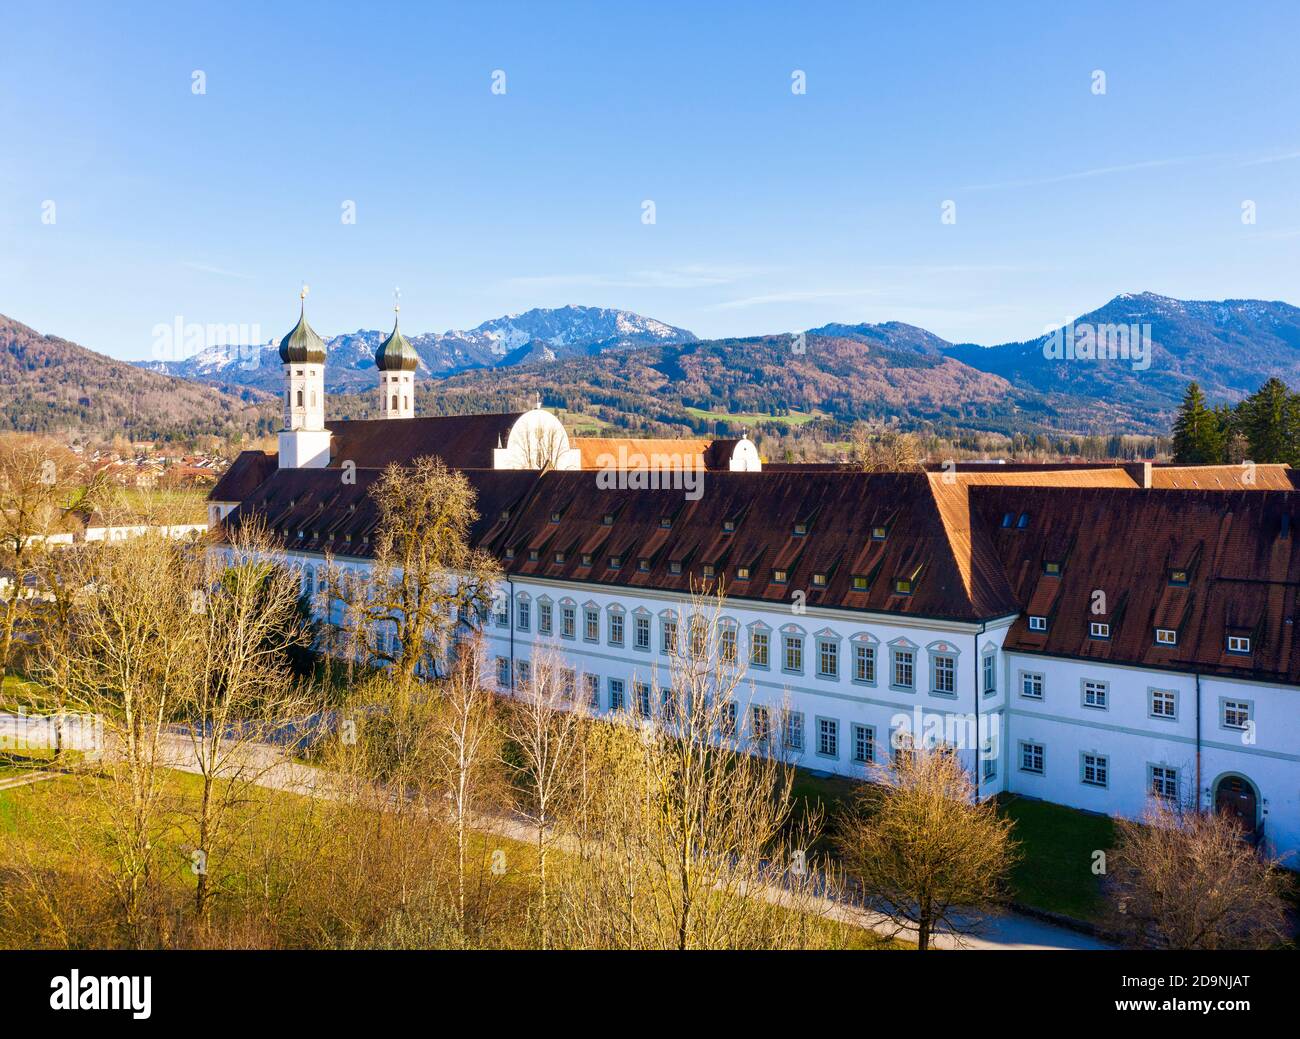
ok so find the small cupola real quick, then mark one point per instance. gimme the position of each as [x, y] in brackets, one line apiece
[302, 345]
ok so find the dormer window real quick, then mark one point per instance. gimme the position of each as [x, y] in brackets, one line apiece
[510, 553]
[1238, 644]
[607, 520]
[1037, 623]
[780, 576]
[586, 559]
[859, 582]
[1023, 521]
[534, 555]
[902, 586]
[643, 565]
[665, 522]
[1177, 576]
[800, 529]
[1008, 518]
[674, 567]
[819, 580]
[559, 557]
[1052, 569]
[615, 562]
[505, 515]
[1098, 630]
[728, 526]
[1166, 637]
[742, 573]
[708, 569]
[555, 517]
[878, 533]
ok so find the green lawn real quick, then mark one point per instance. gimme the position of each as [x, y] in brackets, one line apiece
[1057, 845]
[795, 418]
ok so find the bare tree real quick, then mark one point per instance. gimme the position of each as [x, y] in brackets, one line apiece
[545, 725]
[873, 449]
[427, 580]
[1187, 879]
[924, 851]
[542, 447]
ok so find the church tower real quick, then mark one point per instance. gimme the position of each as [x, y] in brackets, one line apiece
[304, 440]
[396, 360]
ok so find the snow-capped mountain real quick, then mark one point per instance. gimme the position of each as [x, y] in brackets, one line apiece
[539, 335]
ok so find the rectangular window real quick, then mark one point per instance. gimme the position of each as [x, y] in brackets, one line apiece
[1037, 623]
[759, 724]
[1164, 703]
[794, 653]
[593, 692]
[1238, 644]
[642, 690]
[1095, 769]
[503, 672]
[568, 621]
[643, 633]
[1166, 637]
[792, 730]
[1031, 758]
[568, 682]
[828, 658]
[990, 674]
[864, 662]
[1031, 685]
[669, 701]
[616, 693]
[669, 632]
[828, 737]
[945, 674]
[522, 672]
[727, 644]
[544, 618]
[1236, 714]
[1164, 782]
[591, 624]
[728, 719]
[989, 763]
[904, 669]
[1099, 630]
[502, 611]
[864, 744]
[1095, 694]
[758, 648]
[616, 629]
[524, 618]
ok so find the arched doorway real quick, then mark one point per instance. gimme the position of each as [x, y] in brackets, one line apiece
[1235, 797]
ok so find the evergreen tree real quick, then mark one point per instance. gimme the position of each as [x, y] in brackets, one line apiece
[1270, 420]
[1199, 437]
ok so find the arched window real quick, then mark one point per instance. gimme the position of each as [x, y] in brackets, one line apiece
[300, 398]
[394, 401]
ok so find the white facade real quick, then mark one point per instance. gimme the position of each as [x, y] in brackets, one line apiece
[396, 394]
[537, 439]
[304, 441]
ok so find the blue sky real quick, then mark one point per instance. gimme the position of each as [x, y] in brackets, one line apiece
[773, 211]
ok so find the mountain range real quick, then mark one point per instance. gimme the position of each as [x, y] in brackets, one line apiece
[617, 369]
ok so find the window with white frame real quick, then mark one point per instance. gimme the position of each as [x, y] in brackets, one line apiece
[668, 699]
[792, 729]
[642, 626]
[642, 690]
[1095, 769]
[1096, 694]
[1166, 637]
[864, 662]
[759, 648]
[544, 618]
[1037, 623]
[1099, 630]
[828, 658]
[990, 674]
[727, 643]
[1164, 782]
[616, 627]
[668, 635]
[1236, 714]
[1164, 703]
[568, 683]
[568, 620]
[593, 692]
[828, 737]
[522, 672]
[502, 605]
[1031, 758]
[793, 659]
[989, 761]
[524, 614]
[1031, 685]
[943, 673]
[503, 672]
[904, 669]
[1238, 644]
[591, 624]
[864, 744]
[760, 725]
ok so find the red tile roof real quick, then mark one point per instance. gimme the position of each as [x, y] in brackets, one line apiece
[462, 441]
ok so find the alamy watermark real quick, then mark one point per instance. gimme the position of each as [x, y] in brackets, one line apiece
[656, 471]
[181, 340]
[1081, 341]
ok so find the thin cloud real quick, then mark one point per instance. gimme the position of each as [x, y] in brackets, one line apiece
[205, 268]
[1099, 171]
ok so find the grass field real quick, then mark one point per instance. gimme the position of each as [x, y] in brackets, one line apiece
[171, 505]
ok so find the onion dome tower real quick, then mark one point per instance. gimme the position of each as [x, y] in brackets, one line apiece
[396, 360]
[304, 440]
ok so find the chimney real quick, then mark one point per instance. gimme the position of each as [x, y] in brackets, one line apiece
[1140, 472]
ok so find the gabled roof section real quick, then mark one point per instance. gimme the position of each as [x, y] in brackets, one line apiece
[461, 441]
[248, 471]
